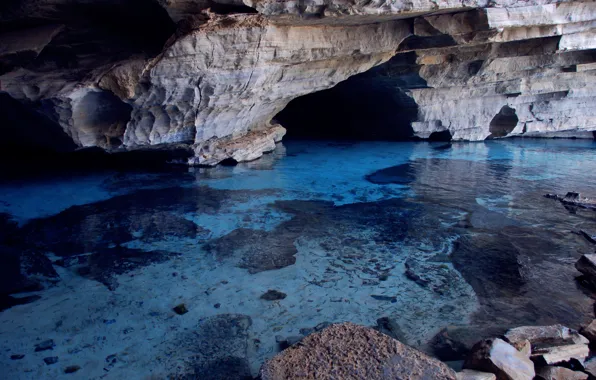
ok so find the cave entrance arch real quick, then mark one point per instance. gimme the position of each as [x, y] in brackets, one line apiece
[503, 123]
[373, 105]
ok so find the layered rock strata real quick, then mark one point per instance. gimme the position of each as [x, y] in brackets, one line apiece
[214, 74]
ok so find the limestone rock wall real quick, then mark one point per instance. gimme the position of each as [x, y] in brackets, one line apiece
[214, 73]
[534, 63]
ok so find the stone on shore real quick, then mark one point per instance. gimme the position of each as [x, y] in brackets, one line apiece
[470, 374]
[551, 344]
[590, 366]
[589, 331]
[348, 351]
[559, 373]
[523, 346]
[560, 354]
[541, 334]
[499, 357]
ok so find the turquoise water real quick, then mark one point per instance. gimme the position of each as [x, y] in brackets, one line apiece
[426, 235]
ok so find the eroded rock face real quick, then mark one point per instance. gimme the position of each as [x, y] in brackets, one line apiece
[213, 74]
[349, 351]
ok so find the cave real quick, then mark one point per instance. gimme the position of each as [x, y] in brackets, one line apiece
[100, 119]
[503, 123]
[373, 105]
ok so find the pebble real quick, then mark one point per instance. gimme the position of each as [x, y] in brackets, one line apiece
[180, 309]
[71, 369]
[217, 305]
[17, 357]
[45, 345]
[273, 295]
[51, 360]
[393, 299]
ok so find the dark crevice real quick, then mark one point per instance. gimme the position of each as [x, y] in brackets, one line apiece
[440, 136]
[229, 162]
[25, 131]
[431, 42]
[474, 67]
[225, 9]
[503, 123]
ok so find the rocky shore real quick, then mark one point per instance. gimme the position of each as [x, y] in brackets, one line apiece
[349, 351]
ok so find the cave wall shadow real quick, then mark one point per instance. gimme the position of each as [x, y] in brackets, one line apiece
[369, 106]
[503, 123]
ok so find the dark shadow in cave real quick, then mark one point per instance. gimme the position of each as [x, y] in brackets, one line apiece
[106, 114]
[503, 123]
[440, 136]
[370, 106]
[25, 131]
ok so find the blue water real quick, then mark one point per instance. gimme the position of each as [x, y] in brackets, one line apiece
[428, 235]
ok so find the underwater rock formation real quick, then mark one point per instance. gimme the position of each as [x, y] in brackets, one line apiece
[214, 74]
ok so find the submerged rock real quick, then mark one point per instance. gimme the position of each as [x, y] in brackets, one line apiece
[23, 270]
[347, 351]
[72, 369]
[498, 357]
[400, 174]
[440, 278]
[180, 309]
[389, 327]
[106, 264]
[217, 347]
[45, 345]
[51, 360]
[273, 295]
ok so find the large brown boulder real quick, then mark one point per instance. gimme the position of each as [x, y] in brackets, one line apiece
[348, 351]
[499, 357]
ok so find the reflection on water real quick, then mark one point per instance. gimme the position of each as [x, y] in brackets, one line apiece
[414, 236]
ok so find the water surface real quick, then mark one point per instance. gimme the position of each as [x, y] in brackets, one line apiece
[426, 235]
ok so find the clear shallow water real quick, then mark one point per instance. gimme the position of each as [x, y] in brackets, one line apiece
[428, 235]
